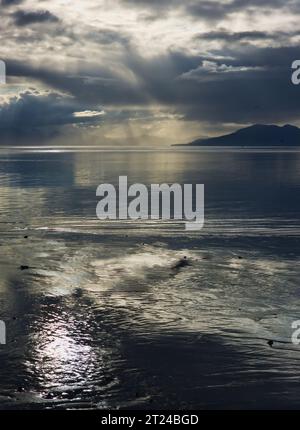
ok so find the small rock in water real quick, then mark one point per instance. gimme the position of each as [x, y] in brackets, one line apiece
[25, 237]
[20, 389]
[181, 263]
[24, 267]
[78, 292]
[270, 343]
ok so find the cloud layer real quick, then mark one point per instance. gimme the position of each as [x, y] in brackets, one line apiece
[153, 67]
[23, 17]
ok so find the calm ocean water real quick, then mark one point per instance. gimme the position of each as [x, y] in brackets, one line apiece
[101, 319]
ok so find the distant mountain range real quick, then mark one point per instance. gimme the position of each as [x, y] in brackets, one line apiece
[255, 135]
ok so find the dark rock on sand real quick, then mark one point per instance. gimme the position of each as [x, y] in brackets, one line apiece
[183, 262]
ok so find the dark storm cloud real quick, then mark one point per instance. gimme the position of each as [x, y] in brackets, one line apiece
[252, 85]
[217, 10]
[245, 37]
[103, 86]
[11, 2]
[32, 114]
[227, 36]
[248, 85]
[251, 56]
[23, 17]
[214, 10]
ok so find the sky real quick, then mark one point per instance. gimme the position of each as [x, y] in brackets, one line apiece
[138, 72]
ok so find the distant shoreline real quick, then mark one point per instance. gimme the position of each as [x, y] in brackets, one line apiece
[256, 135]
[226, 145]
